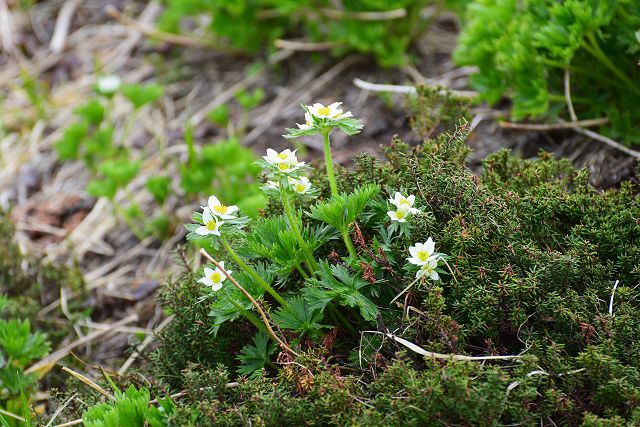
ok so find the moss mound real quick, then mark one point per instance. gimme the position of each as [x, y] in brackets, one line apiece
[535, 254]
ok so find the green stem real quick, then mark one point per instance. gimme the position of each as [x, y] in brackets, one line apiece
[339, 316]
[329, 162]
[300, 270]
[594, 49]
[347, 241]
[251, 272]
[250, 316]
[296, 230]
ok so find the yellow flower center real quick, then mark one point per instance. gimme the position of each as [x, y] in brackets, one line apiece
[427, 269]
[215, 277]
[423, 255]
[211, 225]
[324, 111]
[283, 166]
[401, 214]
[308, 123]
[300, 188]
[221, 209]
[404, 201]
[283, 156]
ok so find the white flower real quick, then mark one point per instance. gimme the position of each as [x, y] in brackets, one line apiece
[300, 185]
[286, 161]
[400, 215]
[211, 224]
[331, 112]
[108, 85]
[220, 210]
[308, 122]
[428, 269]
[214, 278]
[402, 202]
[422, 253]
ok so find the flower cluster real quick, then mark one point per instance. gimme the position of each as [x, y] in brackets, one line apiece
[424, 256]
[212, 214]
[300, 185]
[284, 162]
[404, 207]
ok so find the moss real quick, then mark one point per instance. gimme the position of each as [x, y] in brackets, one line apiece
[534, 255]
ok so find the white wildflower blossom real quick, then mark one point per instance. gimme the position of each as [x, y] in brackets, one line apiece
[211, 224]
[285, 162]
[220, 210]
[429, 270]
[308, 123]
[401, 202]
[108, 85]
[214, 278]
[331, 112]
[422, 253]
[399, 215]
[300, 185]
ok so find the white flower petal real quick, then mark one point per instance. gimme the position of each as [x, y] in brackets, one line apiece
[430, 245]
[206, 216]
[202, 231]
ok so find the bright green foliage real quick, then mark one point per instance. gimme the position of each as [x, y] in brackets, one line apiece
[227, 168]
[159, 187]
[19, 347]
[250, 100]
[140, 95]
[252, 25]
[522, 49]
[337, 283]
[131, 409]
[342, 210]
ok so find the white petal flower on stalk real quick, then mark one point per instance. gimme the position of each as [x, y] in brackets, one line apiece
[400, 215]
[285, 162]
[429, 269]
[214, 278]
[308, 122]
[220, 210]
[401, 202]
[300, 185]
[331, 112]
[211, 224]
[422, 253]
[108, 85]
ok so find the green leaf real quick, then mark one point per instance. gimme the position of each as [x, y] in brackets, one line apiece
[92, 112]
[140, 95]
[343, 209]
[68, 146]
[338, 284]
[120, 171]
[299, 317]
[159, 187]
[253, 358]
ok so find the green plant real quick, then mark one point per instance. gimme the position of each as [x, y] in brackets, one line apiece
[524, 49]
[18, 348]
[131, 408]
[383, 29]
[529, 319]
